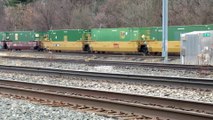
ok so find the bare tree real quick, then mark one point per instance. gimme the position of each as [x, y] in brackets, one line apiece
[2, 16]
[129, 13]
[74, 14]
[71, 14]
[187, 12]
[44, 14]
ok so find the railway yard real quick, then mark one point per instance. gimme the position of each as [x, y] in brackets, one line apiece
[49, 85]
[106, 60]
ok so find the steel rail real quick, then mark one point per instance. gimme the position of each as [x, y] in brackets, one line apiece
[122, 63]
[154, 107]
[87, 54]
[198, 82]
[134, 57]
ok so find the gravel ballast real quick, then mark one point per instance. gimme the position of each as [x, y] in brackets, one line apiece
[18, 109]
[168, 91]
[12, 109]
[53, 55]
[109, 68]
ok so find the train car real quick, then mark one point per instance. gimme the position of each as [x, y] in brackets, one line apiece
[117, 40]
[2, 39]
[174, 32]
[39, 37]
[123, 40]
[21, 40]
[65, 40]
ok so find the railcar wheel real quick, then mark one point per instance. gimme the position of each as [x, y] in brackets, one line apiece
[87, 48]
[5, 46]
[144, 49]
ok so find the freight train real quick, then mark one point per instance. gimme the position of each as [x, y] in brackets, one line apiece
[100, 40]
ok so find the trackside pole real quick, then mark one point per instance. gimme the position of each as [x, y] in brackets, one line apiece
[165, 30]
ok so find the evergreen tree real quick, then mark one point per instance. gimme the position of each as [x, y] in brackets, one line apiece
[15, 2]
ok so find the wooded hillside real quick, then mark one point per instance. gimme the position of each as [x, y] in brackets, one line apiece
[64, 14]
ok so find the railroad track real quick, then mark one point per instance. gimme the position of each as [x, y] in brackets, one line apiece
[93, 56]
[126, 63]
[77, 53]
[196, 82]
[118, 105]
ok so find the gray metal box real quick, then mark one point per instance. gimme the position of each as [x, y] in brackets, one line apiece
[197, 48]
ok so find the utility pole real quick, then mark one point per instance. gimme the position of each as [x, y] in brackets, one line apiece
[165, 30]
